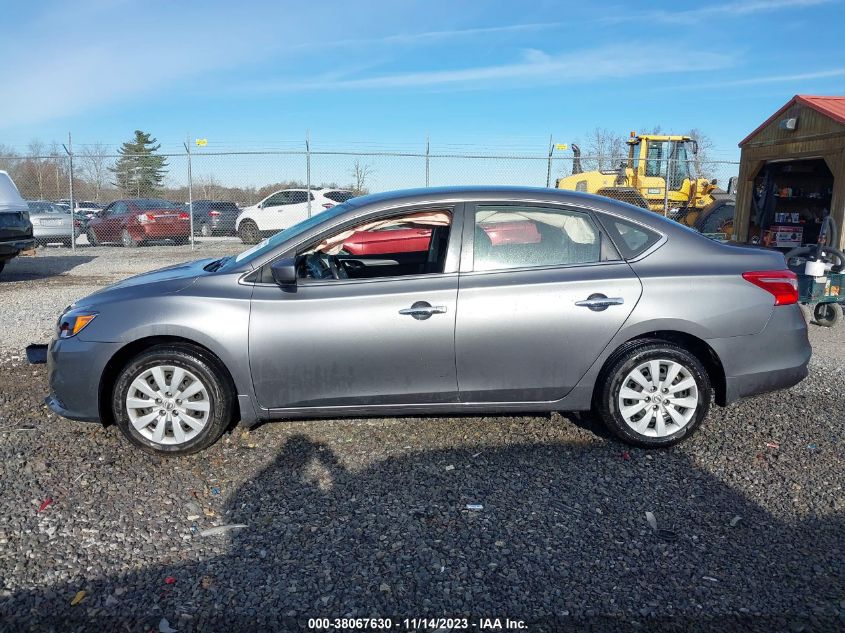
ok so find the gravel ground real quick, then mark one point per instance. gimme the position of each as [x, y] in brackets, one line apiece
[370, 519]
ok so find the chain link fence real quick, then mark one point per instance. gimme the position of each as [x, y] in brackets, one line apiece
[226, 198]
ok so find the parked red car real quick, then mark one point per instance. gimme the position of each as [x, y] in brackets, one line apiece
[404, 239]
[133, 222]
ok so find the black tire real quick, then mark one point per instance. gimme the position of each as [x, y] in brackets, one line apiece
[127, 240]
[2, 264]
[194, 360]
[248, 232]
[181, 240]
[92, 238]
[611, 382]
[205, 230]
[827, 314]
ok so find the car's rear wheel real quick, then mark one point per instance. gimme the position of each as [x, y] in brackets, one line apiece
[181, 240]
[2, 265]
[205, 230]
[92, 238]
[127, 240]
[248, 232]
[654, 395]
[172, 400]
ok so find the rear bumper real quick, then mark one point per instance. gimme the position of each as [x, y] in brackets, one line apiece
[10, 248]
[164, 231]
[74, 368]
[53, 232]
[773, 359]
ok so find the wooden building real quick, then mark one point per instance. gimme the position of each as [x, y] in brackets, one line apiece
[792, 173]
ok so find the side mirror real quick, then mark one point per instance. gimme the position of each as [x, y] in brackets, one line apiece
[284, 271]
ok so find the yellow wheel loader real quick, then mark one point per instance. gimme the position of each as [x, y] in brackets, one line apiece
[641, 180]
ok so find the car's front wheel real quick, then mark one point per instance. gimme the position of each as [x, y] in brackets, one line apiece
[172, 400]
[248, 232]
[654, 395]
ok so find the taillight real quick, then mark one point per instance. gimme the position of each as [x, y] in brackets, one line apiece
[146, 218]
[782, 284]
[183, 215]
[213, 214]
[327, 205]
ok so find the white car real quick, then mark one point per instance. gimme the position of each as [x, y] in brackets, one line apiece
[283, 209]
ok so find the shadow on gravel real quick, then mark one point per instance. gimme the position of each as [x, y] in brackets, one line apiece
[42, 266]
[561, 542]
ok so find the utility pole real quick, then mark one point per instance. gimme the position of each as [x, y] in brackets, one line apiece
[427, 158]
[69, 151]
[308, 167]
[549, 168]
[190, 190]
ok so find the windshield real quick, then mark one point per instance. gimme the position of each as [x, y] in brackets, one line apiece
[271, 243]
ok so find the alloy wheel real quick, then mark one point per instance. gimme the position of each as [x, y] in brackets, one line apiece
[168, 405]
[658, 398]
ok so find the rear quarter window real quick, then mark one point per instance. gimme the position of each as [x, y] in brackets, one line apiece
[630, 238]
[339, 196]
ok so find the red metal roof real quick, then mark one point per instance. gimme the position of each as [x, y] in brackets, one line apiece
[833, 107]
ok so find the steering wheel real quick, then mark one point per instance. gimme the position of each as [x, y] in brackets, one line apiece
[338, 271]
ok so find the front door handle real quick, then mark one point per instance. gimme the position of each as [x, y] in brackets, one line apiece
[422, 310]
[599, 302]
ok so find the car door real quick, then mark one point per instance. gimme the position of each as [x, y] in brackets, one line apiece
[357, 342]
[270, 216]
[534, 314]
[296, 210]
[104, 225]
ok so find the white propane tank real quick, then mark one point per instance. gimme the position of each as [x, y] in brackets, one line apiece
[814, 268]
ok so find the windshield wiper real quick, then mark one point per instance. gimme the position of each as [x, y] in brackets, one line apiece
[215, 265]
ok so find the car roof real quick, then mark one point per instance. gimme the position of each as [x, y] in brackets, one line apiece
[498, 193]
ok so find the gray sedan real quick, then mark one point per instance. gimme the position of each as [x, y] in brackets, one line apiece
[438, 301]
[50, 222]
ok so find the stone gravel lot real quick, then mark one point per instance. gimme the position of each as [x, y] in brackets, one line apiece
[369, 517]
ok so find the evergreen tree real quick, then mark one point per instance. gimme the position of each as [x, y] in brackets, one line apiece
[140, 171]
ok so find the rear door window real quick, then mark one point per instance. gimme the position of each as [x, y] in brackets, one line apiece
[511, 236]
[298, 197]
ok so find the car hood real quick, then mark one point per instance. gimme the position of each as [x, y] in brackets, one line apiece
[162, 281]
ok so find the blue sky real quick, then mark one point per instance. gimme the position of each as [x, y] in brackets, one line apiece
[492, 75]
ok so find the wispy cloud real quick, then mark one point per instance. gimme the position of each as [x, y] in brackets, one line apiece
[731, 9]
[768, 79]
[431, 36]
[534, 67]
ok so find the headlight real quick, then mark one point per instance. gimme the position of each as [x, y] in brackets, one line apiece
[73, 323]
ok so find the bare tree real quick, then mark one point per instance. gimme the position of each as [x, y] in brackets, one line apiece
[702, 160]
[605, 148]
[56, 167]
[9, 159]
[209, 187]
[360, 173]
[38, 165]
[95, 164]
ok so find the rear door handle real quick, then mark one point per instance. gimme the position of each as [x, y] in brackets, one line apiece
[599, 302]
[422, 310]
